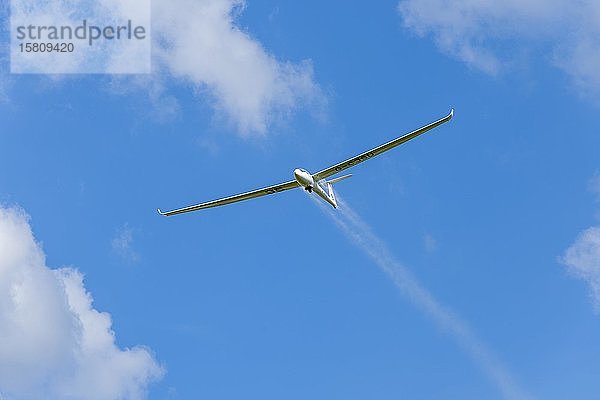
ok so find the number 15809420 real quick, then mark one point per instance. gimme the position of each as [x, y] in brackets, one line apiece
[46, 47]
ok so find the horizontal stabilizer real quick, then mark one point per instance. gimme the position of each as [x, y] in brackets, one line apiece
[341, 178]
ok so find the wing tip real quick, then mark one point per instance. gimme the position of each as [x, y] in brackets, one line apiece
[451, 113]
[164, 214]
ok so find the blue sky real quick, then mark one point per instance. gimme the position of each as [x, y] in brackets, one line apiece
[495, 214]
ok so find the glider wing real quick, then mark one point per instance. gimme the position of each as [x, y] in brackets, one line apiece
[233, 199]
[334, 169]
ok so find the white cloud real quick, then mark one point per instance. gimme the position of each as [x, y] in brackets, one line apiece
[122, 244]
[54, 344]
[200, 43]
[488, 34]
[583, 260]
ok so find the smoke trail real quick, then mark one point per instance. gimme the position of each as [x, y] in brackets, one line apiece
[363, 236]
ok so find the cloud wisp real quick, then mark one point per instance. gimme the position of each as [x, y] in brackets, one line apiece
[582, 258]
[122, 244]
[361, 234]
[490, 35]
[55, 345]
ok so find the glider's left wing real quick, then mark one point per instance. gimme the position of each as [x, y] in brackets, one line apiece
[334, 169]
[233, 199]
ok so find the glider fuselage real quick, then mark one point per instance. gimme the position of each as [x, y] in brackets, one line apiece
[306, 180]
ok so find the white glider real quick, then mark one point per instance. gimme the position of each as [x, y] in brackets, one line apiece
[315, 182]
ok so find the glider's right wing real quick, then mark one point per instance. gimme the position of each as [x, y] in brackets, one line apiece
[233, 199]
[334, 169]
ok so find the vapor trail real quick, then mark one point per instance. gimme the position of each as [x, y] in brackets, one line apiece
[361, 234]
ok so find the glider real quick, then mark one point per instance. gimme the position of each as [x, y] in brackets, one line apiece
[315, 182]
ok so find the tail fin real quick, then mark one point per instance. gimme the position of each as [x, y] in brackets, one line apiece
[331, 194]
